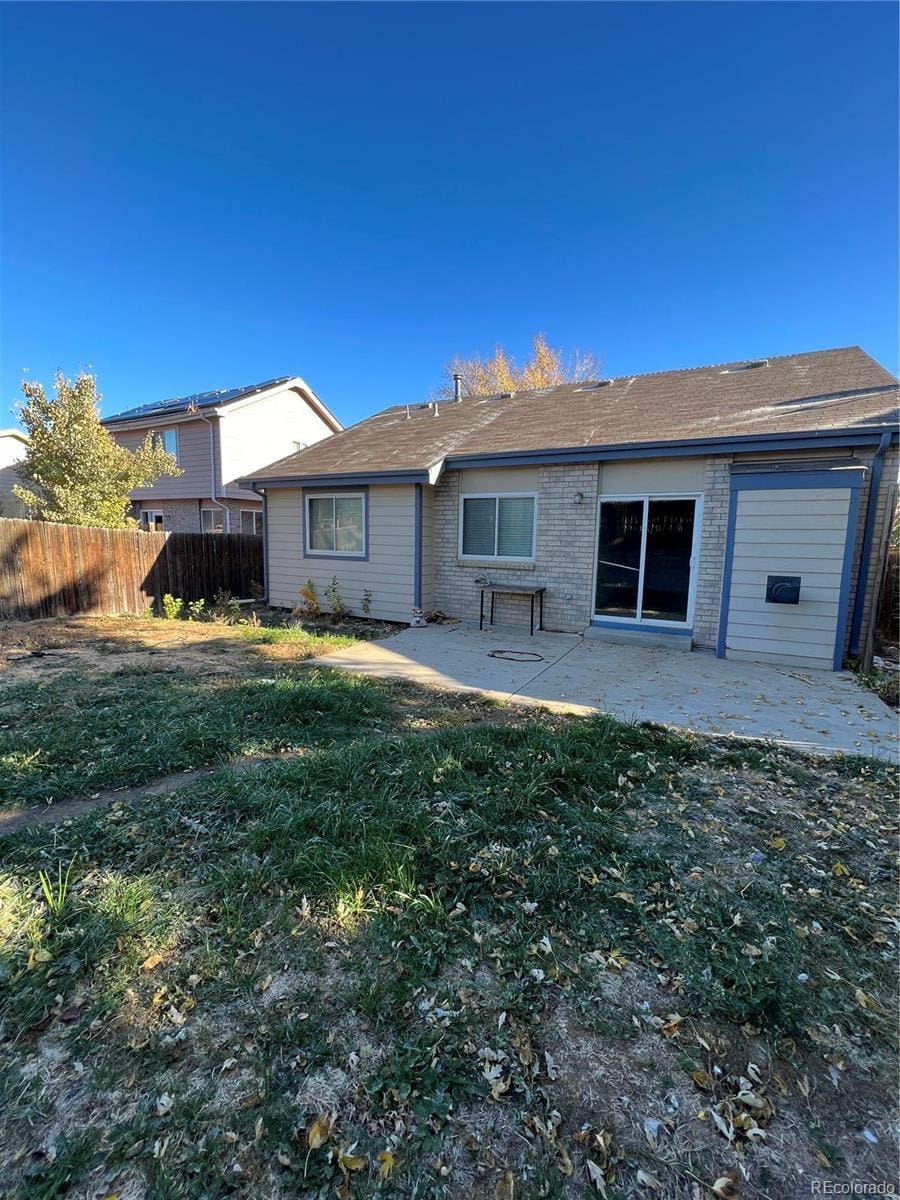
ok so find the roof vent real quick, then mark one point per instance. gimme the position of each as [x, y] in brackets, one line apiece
[750, 366]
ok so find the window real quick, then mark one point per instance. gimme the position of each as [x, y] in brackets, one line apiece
[251, 520]
[166, 439]
[151, 520]
[336, 524]
[497, 526]
[212, 520]
[646, 550]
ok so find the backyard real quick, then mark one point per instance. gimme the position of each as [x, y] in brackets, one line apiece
[421, 944]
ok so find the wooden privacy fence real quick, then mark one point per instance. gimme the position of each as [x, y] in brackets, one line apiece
[890, 598]
[49, 570]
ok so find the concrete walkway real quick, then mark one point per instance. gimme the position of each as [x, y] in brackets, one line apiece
[818, 711]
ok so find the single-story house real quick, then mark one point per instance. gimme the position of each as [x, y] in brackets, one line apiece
[743, 508]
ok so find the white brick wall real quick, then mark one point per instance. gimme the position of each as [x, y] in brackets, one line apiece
[564, 560]
[714, 525]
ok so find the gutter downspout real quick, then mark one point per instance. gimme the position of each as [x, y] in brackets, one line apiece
[265, 500]
[865, 553]
[226, 522]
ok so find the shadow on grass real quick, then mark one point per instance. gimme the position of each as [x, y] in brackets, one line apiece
[75, 735]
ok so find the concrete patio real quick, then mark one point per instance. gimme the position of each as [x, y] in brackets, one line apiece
[816, 711]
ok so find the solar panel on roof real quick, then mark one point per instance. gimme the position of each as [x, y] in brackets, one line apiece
[198, 400]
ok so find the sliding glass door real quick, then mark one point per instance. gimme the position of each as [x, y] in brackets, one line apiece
[645, 557]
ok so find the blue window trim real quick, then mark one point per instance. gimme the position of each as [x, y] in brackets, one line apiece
[642, 627]
[851, 478]
[333, 491]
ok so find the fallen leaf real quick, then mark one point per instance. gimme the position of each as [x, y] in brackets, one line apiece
[506, 1186]
[151, 961]
[596, 1176]
[387, 1162]
[645, 1179]
[319, 1132]
[348, 1161]
[726, 1188]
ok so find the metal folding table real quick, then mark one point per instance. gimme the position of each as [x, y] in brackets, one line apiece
[513, 589]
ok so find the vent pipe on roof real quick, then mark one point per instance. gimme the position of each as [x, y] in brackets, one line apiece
[457, 386]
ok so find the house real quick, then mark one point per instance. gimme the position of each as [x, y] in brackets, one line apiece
[13, 444]
[742, 508]
[216, 438]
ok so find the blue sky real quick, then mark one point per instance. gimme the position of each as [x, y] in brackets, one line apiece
[201, 196]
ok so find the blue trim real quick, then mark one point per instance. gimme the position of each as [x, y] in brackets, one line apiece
[846, 572]
[331, 491]
[641, 627]
[764, 480]
[865, 553]
[417, 591]
[674, 449]
[335, 480]
[800, 480]
[265, 509]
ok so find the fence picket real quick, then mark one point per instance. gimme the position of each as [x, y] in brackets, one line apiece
[48, 569]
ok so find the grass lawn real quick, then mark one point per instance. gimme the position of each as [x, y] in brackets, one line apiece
[96, 703]
[497, 957]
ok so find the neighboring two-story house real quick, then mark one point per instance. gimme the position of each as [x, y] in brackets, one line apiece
[218, 437]
[13, 444]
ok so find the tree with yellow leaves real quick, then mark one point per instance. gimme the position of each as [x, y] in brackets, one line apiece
[547, 367]
[74, 472]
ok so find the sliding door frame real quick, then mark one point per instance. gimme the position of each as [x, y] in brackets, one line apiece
[637, 621]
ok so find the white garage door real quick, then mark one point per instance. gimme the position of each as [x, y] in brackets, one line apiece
[790, 532]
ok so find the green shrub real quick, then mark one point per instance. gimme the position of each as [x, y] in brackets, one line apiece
[172, 607]
[339, 609]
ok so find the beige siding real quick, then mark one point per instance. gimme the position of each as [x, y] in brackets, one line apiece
[786, 531]
[428, 549]
[501, 479]
[658, 475]
[257, 434]
[388, 572]
[193, 458]
[12, 451]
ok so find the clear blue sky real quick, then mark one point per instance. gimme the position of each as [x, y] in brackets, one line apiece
[200, 196]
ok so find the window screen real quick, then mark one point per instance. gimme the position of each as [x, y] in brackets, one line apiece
[335, 524]
[498, 526]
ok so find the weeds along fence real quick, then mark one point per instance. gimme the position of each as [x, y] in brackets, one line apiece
[50, 570]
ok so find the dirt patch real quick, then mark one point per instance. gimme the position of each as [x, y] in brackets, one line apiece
[35, 650]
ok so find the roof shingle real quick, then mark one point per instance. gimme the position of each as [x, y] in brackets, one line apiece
[827, 389]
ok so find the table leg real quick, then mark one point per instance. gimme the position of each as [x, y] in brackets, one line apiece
[531, 629]
[541, 623]
[492, 608]
[481, 612]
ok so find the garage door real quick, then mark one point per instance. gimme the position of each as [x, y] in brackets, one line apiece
[787, 567]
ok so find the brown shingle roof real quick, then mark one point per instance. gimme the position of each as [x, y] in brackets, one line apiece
[795, 393]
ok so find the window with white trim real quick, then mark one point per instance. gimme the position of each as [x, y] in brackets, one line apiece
[167, 440]
[151, 520]
[497, 525]
[251, 520]
[336, 523]
[212, 520]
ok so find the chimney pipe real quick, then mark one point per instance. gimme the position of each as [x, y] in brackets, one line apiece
[457, 386]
